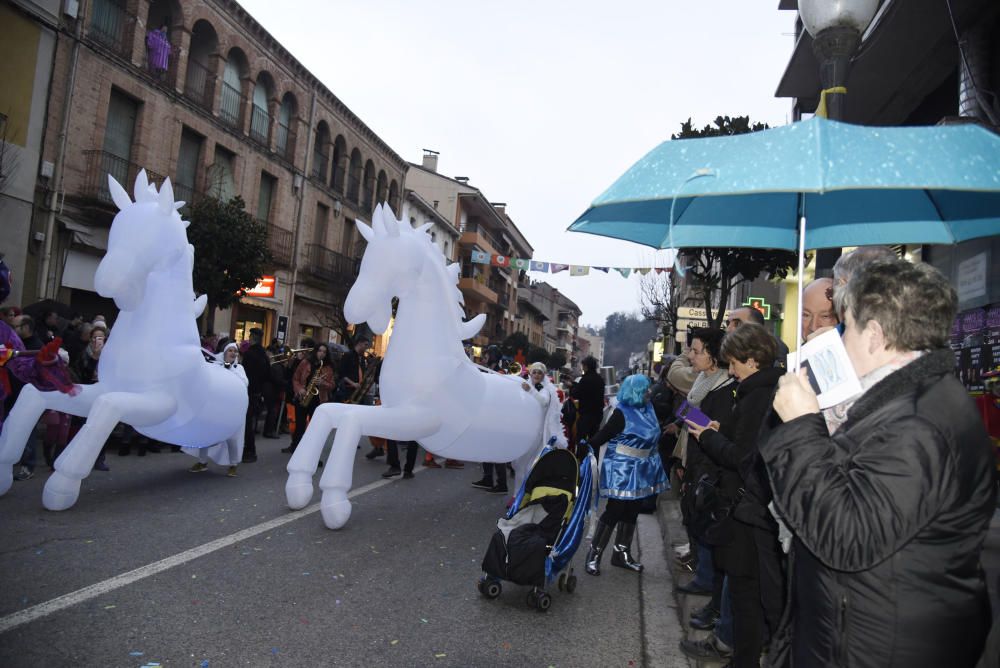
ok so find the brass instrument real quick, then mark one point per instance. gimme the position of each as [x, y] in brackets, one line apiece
[312, 388]
[287, 355]
[371, 373]
[512, 368]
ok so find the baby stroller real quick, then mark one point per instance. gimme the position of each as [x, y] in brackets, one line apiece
[541, 531]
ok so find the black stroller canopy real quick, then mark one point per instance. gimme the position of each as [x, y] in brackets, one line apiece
[556, 468]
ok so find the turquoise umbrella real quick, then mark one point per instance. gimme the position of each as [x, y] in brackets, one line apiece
[856, 185]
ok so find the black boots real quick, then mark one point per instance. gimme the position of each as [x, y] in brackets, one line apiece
[601, 536]
[621, 555]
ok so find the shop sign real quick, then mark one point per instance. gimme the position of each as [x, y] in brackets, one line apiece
[264, 288]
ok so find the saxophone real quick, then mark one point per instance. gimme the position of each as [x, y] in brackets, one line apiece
[312, 389]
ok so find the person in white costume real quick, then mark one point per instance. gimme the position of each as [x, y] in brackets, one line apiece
[229, 452]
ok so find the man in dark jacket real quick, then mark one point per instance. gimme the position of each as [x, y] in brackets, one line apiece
[889, 512]
[258, 370]
[589, 392]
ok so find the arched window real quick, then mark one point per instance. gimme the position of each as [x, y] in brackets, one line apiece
[354, 176]
[321, 155]
[368, 204]
[286, 132]
[339, 163]
[382, 187]
[231, 104]
[260, 115]
[199, 81]
[394, 195]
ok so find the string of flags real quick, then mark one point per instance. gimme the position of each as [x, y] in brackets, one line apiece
[525, 264]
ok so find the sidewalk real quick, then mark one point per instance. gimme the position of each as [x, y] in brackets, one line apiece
[669, 517]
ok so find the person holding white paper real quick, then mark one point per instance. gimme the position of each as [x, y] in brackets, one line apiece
[890, 512]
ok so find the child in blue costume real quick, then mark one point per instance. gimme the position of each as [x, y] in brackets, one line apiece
[630, 472]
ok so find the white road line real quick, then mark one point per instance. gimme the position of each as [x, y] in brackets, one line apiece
[54, 605]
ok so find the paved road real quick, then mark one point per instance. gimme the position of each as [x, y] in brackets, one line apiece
[395, 587]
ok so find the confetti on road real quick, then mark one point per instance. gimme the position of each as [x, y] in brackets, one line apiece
[135, 653]
[394, 642]
[337, 602]
[274, 650]
[204, 664]
[39, 551]
[305, 574]
[440, 655]
[506, 646]
[109, 607]
[154, 664]
[423, 621]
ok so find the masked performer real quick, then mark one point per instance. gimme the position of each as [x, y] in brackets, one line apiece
[227, 453]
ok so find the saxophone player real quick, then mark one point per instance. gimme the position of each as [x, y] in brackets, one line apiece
[311, 383]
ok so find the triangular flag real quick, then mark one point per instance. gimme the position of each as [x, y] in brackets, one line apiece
[579, 270]
[539, 266]
[480, 257]
[556, 268]
[643, 270]
[624, 271]
[520, 263]
[604, 269]
[500, 261]
[660, 270]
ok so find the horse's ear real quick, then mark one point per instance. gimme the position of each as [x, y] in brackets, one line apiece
[367, 232]
[389, 221]
[118, 194]
[141, 189]
[166, 199]
[425, 227]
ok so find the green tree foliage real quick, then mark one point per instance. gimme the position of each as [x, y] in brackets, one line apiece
[514, 342]
[537, 354]
[626, 333]
[557, 360]
[715, 272]
[230, 251]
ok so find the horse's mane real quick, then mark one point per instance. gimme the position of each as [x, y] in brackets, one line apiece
[446, 274]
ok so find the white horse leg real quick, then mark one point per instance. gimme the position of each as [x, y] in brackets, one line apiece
[399, 424]
[22, 419]
[77, 460]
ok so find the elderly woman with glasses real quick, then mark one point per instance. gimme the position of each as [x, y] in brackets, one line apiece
[891, 508]
[630, 471]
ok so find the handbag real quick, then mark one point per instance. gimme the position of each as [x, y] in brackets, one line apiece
[713, 510]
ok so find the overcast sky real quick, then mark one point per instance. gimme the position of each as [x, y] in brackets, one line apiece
[543, 104]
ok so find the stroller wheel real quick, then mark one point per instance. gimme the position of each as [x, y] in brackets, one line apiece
[561, 581]
[489, 588]
[570, 584]
[532, 599]
[544, 602]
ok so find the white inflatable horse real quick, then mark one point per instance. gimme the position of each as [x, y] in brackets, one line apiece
[431, 392]
[151, 373]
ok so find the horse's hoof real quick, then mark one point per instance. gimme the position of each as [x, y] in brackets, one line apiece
[61, 492]
[336, 514]
[6, 479]
[298, 490]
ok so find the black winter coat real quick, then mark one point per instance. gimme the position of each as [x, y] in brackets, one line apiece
[890, 515]
[718, 405]
[590, 393]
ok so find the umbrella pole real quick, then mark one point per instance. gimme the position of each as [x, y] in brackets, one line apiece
[798, 312]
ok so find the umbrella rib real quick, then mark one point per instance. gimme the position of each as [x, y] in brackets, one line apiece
[937, 210]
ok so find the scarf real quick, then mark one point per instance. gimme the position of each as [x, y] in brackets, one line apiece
[836, 416]
[703, 385]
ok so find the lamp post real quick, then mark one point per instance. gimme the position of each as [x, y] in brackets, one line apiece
[836, 27]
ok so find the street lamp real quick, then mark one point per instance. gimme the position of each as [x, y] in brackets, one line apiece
[836, 27]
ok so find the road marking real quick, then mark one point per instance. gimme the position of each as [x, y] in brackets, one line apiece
[54, 605]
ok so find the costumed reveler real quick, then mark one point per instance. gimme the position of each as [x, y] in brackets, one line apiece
[542, 390]
[226, 453]
[630, 471]
[43, 368]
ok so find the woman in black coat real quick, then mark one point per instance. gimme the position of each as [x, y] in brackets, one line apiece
[891, 510]
[746, 541]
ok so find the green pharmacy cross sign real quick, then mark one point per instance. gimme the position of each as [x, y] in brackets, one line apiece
[760, 304]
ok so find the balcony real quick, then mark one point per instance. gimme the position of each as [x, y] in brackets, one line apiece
[320, 161]
[337, 182]
[353, 187]
[102, 163]
[279, 243]
[480, 238]
[476, 290]
[231, 106]
[504, 300]
[286, 142]
[112, 26]
[199, 85]
[260, 126]
[330, 266]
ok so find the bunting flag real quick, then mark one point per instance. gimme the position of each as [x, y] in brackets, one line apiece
[527, 264]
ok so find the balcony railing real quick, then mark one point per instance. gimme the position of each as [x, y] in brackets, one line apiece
[338, 178]
[320, 161]
[112, 26]
[198, 84]
[369, 201]
[279, 243]
[188, 195]
[230, 105]
[329, 265]
[102, 163]
[260, 125]
[286, 142]
[353, 187]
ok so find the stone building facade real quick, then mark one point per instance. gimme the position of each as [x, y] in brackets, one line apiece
[201, 92]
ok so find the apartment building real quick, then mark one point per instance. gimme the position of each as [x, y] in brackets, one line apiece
[201, 92]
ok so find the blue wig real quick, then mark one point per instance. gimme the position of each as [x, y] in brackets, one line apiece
[633, 390]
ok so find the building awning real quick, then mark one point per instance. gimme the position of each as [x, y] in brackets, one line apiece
[85, 235]
[259, 302]
[79, 270]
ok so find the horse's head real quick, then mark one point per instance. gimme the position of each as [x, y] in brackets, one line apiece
[391, 266]
[146, 235]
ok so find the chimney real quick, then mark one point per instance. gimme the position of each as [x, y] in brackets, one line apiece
[430, 161]
[501, 207]
[464, 180]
